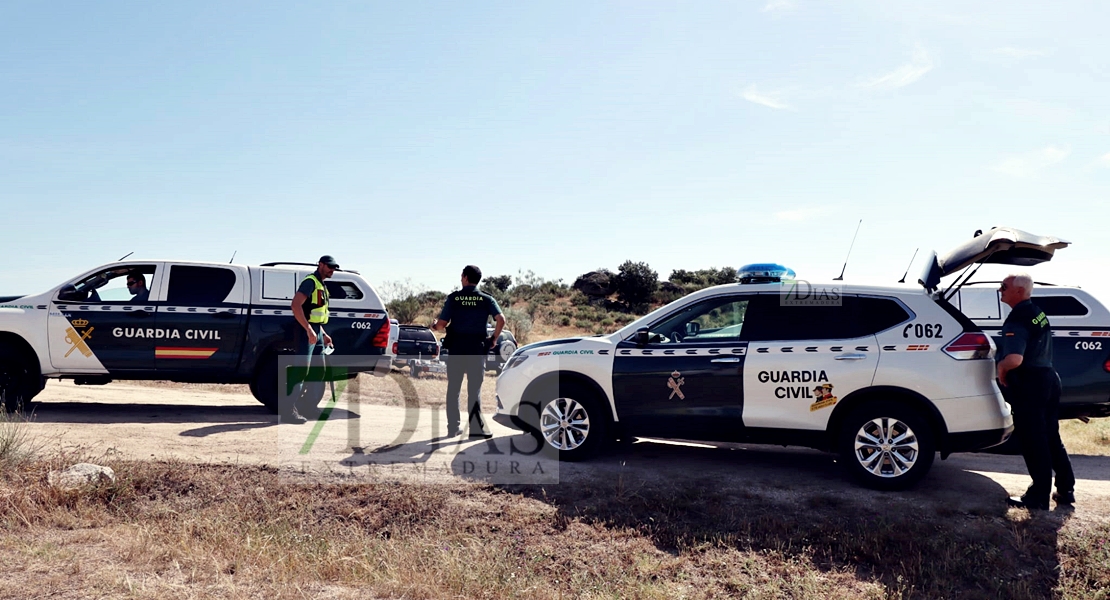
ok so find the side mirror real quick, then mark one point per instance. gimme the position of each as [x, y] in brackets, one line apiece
[641, 336]
[692, 328]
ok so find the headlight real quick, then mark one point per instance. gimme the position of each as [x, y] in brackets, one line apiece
[516, 359]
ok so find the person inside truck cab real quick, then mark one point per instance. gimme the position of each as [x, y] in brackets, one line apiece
[136, 286]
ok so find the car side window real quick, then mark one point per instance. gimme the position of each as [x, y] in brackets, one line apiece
[129, 284]
[714, 320]
[847, 318]
[343, 290]
[1060, 306]
[199, 286]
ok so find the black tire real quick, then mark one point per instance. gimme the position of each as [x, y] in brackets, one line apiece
[18, 384]
[878, 463]
[582, 432]
[414, 372]
[264, 387]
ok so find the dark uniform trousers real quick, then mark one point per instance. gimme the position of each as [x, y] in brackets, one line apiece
[1034, 395]
[305, 378]
[466, 357]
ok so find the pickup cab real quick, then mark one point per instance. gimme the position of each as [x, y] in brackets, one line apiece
[192, 322]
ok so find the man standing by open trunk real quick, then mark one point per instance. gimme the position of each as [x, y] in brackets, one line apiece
[1032, 387]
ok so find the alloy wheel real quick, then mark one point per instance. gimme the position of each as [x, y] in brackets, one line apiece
[886, 447]
[564, 423]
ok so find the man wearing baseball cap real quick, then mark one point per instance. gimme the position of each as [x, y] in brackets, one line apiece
[310, 309]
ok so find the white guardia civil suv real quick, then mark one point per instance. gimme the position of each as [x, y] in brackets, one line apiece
[885, 376]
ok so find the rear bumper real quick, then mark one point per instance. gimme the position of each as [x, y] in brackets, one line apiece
[378, 365]
[970, 441]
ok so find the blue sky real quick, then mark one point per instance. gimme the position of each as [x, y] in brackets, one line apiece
[411, 139]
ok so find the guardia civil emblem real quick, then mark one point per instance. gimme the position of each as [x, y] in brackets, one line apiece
[675, 384]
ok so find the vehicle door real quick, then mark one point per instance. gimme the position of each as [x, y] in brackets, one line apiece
[685, 378]
[202, 318]
[97, 326]
[804, 356]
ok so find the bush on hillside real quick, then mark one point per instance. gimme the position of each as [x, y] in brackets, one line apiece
[692, 281]
[635, 284]
[520, 323]
[501, 283]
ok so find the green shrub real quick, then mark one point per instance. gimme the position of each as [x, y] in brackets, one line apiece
[500, 283]
[583, 324]
[520, 323]
[635, 283]
[607, 322]
[577, 298]
[405, 310]
[564, 321]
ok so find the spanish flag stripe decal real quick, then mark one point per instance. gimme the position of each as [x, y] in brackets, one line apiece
[199, 353]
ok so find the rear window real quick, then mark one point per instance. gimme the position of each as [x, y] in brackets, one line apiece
[419, 335]
[1060, 306]
[343, 290]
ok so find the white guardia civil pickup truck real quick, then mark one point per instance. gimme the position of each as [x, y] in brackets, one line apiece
[201, 323]
[885, 376]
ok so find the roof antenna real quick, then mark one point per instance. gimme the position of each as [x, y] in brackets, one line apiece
[233, 257]
[841, 278]
[903, 279]
[125, 256]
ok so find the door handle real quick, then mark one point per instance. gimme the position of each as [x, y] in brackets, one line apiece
[225, 315]
[138, 314]
[850, 357]
[727, 359]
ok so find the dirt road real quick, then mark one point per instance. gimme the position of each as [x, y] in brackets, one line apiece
[392, 430]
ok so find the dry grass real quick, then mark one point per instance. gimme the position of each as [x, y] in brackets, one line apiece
[16, 445]
[1092, 439]
[172, 530]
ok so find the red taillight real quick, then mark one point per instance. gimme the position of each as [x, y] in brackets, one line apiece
[395, 347]
[436, 351]
[969, 346]
[381, 339]
[1106, 365]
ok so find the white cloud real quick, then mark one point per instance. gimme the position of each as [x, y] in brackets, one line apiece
[1105, 160]
[751, 94]
[801, 214]
[1012, 52]
[1028, 164]
[778, 5]
[919, 65]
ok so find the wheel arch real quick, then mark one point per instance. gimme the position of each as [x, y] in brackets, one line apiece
[889, 393]
[20, 345]
[575, 377]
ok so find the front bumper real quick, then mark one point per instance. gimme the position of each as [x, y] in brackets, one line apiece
[510, 421]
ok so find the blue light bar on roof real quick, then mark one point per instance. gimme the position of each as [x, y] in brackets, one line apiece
[764, 273]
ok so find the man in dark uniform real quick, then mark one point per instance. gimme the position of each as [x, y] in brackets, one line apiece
[311, 311]
[1032, 388]
[465, 313]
